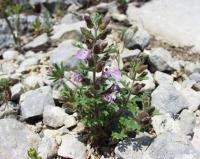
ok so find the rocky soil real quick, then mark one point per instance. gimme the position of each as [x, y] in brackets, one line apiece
[35, 118]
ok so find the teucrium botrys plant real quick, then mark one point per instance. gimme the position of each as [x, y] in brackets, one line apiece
[108, 105]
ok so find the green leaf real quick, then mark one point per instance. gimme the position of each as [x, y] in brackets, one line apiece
[87, 33]
[57, 72]
[97, 20]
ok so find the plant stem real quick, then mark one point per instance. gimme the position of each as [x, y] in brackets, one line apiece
[133, 75]
[94, 60]
[11, 29]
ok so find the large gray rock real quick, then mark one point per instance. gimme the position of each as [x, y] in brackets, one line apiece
[170, 20]
[65, 53]
[62, 30]
[133, 148]
[10, 55]
[16, 139]
[136, 37]
[33, 102]
[171, 146]
[16, 91]
[167, 99]
[161, 59]
[72, 147]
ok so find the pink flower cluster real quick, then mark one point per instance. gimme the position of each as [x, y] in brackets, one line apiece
[76, 77]
[83, 54]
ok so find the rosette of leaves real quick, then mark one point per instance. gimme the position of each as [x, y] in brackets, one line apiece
[109, 111]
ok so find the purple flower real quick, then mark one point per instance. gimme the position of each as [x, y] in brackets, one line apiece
[116, 74]
[108, 98]
[76, 77]
[83, 54]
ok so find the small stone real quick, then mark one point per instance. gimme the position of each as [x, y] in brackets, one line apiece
[191, 68]
[62, 30]
[52, 133]
[53, 116]
[72, 147]
[48, 148]
[149, 82]
[187, 122]
[163, 78]
[10, 55]
[29, 62]
[69, 121]
[136, 37]
[195, 76]
[33, 81]
[38, 42]
[196, 86]
[127, 54]
[56, 117]
[16, 91]
[161, 59]
[9, 110]
[34, 102]
[192, 97]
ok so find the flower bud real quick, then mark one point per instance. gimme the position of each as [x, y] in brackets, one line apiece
[97, 48]
[141, 68]
[137, 88]
[103, 45]
[99, 66]
[105, 24]
[103, 35]
[143, 117]
[88, 21]
[88, 43]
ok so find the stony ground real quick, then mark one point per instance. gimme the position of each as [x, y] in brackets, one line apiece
[35, 119]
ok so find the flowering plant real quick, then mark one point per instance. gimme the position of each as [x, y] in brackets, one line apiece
[109, 106]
